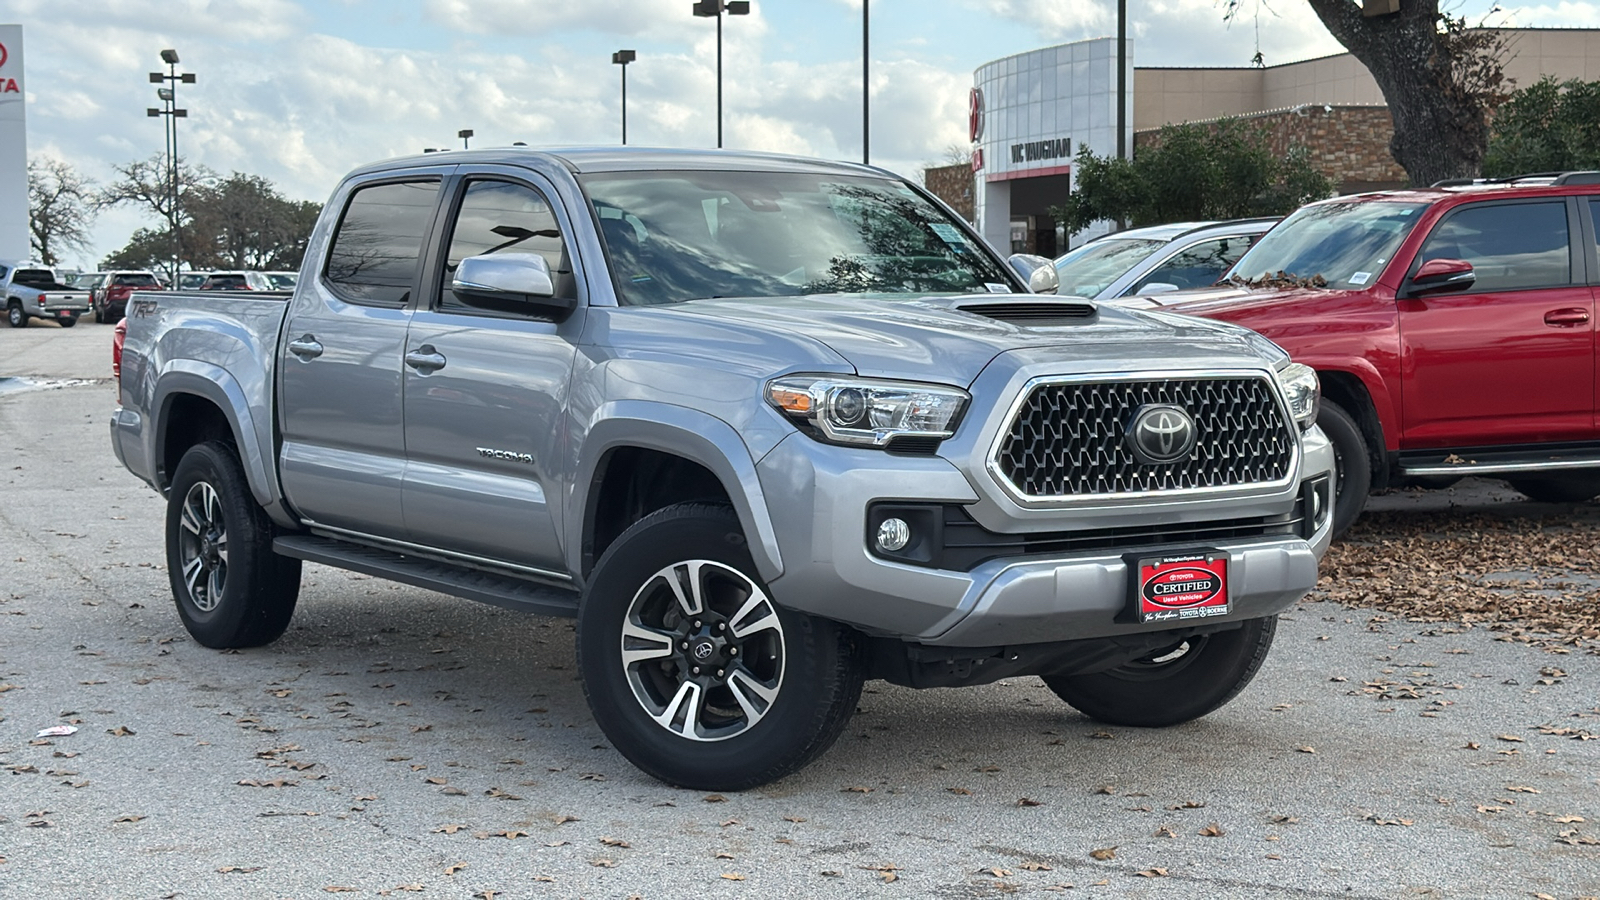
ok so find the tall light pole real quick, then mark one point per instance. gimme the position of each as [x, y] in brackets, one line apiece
[622, 58]
[1122, 79]
[866, 90]
[169, 97]
[713, 9]
[465, 134]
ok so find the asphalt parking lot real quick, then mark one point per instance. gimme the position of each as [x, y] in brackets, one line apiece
[397, 742]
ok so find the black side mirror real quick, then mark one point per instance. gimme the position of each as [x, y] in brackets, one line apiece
[1441, 276]
[510, 282]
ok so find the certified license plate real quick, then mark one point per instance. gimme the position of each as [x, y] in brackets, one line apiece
[1180, 586]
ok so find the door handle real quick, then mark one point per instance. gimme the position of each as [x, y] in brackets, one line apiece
[305, 347]
[425, 359]
[1563, 318]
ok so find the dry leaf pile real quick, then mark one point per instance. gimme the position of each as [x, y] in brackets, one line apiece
[1453, 567]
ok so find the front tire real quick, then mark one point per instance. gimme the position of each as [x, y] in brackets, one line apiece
[1185, 681]
[1558, 488]
[1351, 462]
[693, 672]
[230, 588]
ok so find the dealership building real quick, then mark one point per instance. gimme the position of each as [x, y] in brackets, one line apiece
[13, 148]
[1030, 113]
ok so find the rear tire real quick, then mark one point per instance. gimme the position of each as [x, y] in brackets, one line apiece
[1558, 488]
[1351, 462]
[691, 670]
[15, 317]
[230, 588]
[1176, 684]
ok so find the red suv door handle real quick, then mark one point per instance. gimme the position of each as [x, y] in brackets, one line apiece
[1566, 317]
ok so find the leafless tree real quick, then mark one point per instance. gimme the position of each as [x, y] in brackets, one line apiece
[61, 209]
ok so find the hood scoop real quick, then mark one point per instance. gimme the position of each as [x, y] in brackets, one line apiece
[1036, 313]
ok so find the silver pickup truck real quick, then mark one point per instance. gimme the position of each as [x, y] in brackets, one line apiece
[34, 291]
[766, 426]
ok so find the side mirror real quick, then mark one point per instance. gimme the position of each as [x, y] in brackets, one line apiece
[1441, 276]
[1036, 271]
[509, 282]
[1157, 287]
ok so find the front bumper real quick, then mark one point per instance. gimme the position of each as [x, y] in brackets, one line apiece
[819, 496]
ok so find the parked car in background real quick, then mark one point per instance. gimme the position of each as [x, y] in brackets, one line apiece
[282, 281]
[191, 281]
[237, 281]
[34, 291]
[109, 299]
[1158, 258]
[1453, 329]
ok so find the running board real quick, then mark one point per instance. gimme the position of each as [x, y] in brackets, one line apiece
[486, 587]
[1488, 461]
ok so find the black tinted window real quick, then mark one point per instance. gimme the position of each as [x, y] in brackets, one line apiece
[502, 217]
[379, 244]
[134, 280]
[1510, 245]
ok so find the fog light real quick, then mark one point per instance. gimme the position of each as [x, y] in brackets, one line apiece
[893, 535]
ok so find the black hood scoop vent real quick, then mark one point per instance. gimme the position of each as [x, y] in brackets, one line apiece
[1035, 313]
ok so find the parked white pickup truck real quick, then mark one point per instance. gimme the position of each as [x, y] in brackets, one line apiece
[35, 292]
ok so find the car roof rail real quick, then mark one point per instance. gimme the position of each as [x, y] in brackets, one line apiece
[1455, 182]
[1582, 177]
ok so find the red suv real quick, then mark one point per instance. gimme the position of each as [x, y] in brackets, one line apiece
[110, 296]
[1453, 330]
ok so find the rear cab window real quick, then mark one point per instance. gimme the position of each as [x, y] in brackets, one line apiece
[377, 249]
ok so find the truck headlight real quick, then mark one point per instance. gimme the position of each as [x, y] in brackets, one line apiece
[1303, 391]
[868, 412]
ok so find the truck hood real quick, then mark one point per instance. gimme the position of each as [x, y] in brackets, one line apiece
[951, 339]
[1234, 302]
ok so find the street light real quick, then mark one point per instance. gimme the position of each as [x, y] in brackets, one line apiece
[169, 99]
[713, 9]
[465, 134]
[622, 58]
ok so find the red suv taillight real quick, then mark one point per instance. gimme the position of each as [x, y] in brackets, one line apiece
[117, 339]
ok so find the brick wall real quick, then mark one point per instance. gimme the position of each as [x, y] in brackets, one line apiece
[1349, 144]
[952, 184]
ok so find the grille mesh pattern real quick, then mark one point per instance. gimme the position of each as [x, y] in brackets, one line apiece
[1069, 439]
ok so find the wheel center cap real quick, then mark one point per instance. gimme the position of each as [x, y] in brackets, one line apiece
[703, 649]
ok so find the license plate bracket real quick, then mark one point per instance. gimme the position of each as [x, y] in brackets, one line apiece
[1177, 586]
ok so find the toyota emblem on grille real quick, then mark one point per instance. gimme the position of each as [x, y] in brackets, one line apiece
[1162, 434]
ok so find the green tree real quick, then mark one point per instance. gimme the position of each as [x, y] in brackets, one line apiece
[61, 209]
[243, 222]
[147, 249]
[1441, 79]
[1548, 126]
[1189, 173]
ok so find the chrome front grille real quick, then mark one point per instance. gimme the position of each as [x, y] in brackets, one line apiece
[1069, 439]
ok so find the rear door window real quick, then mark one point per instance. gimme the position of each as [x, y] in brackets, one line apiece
[378, 248]
[1512, 246]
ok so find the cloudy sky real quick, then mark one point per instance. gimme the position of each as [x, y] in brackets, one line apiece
[299, 91]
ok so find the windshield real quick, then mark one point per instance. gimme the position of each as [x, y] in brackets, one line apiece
[1341, 245]
[1090, 269]
[134, 281]
[674, 236]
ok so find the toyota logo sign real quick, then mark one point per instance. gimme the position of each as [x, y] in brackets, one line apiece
[975, 114]
[1162, 434]
[3, 55]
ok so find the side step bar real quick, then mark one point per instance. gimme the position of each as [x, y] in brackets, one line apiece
[1531, 460]
[460, 581]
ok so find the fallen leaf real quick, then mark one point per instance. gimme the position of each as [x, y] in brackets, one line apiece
[448, 829]
[1212, 830]
[1154, 872]
[340, 889]
[615, 842]
[229, 870]
[794, 818]
[562, 820]
[1029, 801]
[1306, 749]
[1165, 831]
[453, 869]
[603, 863]
[714, 798]
[960, 791]
[856, 789]
[1189, 804]
[141, 819]
[996, 872]
[1522, 789]
[1509, 737]
[732, 876]
[1104, 853]
[121, 731]
[512, 835]
[722, 855]
[1036, 867]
